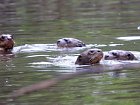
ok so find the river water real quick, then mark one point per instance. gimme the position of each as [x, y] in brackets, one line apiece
[37, 25]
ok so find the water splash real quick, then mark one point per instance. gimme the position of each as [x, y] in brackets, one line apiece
[65, 61]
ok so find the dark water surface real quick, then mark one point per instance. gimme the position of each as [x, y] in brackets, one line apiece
[37, 24]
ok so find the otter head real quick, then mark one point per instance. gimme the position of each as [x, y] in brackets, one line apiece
[119, 55]
[6, 42]
[69, 42]
[89, 57]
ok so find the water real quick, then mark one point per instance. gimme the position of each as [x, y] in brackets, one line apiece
[36, 25]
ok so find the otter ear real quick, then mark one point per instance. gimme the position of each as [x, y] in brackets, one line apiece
[131, 56]
[128, 55]
[79, 59]
[67, 41]
[114, 54]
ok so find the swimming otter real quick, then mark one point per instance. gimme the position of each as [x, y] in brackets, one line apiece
[6, 43]
[119, 55]
[69, 42]
[89, 57]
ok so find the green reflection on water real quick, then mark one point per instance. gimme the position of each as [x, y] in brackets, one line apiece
[94, 22]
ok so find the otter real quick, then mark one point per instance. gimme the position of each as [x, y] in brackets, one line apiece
[89, 57]
[6, 43]
[119, 55]
[69, 42]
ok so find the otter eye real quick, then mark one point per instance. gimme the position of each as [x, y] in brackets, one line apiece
[2, 37]
[91, 51]
[113, 53]
[98, 51]
[67, 41]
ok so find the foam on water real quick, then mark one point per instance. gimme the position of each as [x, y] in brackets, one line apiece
[27, 48]
[66, 61]
[129, 38]
[40, 64]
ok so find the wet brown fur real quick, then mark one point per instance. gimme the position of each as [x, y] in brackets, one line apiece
[89, 57]
[6, 44]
